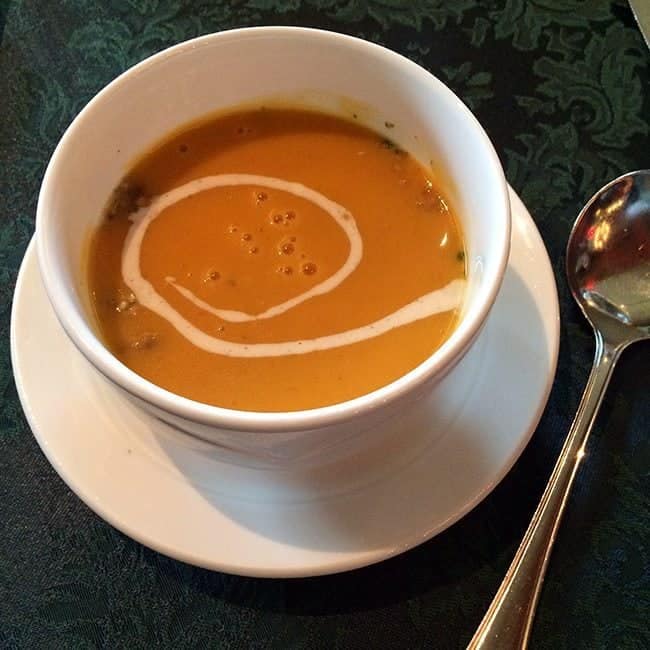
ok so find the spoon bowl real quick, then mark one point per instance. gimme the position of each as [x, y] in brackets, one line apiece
[608, 257]
[608, 272]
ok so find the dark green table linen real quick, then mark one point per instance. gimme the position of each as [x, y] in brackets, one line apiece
[562, 88]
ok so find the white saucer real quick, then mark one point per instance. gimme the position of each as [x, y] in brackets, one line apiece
[423, 471]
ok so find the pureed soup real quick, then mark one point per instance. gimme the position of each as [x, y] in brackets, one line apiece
[276, 260]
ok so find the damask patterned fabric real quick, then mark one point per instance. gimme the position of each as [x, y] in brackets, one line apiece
[562, 87]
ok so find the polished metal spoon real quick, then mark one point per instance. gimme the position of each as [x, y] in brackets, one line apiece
[608, 271]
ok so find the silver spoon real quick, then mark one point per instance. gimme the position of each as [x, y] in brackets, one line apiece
[608, 271]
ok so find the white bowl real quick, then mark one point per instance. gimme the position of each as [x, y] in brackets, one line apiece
[306, 67]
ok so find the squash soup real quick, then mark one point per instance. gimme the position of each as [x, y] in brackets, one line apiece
[276, 260]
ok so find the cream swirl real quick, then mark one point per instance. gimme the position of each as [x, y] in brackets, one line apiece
[445, 299]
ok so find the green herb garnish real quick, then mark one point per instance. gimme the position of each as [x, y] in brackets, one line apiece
[389, 144]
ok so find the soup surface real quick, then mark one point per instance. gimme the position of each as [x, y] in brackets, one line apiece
[275, 260]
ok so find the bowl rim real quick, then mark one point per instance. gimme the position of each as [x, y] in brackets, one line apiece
[437, 364]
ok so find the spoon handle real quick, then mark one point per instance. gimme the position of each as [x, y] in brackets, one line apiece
[507, 623]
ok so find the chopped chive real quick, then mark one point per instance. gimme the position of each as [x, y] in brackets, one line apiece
[389, 144]
[460, 256]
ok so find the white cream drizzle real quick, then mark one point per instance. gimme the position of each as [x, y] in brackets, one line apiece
[441, 300]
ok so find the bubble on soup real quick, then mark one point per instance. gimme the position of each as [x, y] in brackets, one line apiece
[145, 341]
[285, 219]
[126, 304]
[212, 276]
[431, 201]
[309, 268]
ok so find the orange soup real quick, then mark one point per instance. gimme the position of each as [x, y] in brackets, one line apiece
[276, 260]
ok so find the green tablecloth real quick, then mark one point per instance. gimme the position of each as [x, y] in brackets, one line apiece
[562, 88]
